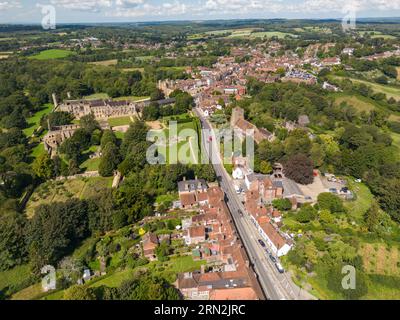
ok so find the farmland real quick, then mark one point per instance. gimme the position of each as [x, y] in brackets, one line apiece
[52, 54]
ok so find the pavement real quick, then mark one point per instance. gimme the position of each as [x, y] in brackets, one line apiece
[276, 286]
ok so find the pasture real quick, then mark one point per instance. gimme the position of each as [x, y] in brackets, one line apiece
[52, 54]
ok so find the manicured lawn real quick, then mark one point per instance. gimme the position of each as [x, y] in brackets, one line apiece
[90, 164]
[122, 121]
[52, 54]
[34, 121]
[119, 134]
[132, 98]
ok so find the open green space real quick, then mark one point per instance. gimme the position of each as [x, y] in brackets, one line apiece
[120, 121]
[270, 34]
[358, 102]
[60, 191]
[52, 54]
[34, 121]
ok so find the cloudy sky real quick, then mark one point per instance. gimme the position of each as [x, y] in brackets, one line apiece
[75, 11]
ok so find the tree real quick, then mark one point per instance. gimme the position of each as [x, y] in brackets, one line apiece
[89, 123]
[300, 169]
[306, 213]
[109, 160]
[372, 216]
[13, 250]
[331, 202]
[151, 112]
[108, 136]
[265, 167]
[55, 230]
[43, 166]
[14, 120]
[325, 216]
[163, 251]
[79, 292]
[282, 204]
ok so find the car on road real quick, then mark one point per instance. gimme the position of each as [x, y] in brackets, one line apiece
[240, 212]
[273, 259]
[261, 242]
[279, 267]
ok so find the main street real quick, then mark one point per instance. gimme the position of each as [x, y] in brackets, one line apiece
[276, 286]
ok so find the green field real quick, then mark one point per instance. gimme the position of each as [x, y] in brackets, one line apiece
[270, 34]
[52, 54]
[90, 164]
[60, 191]
[358, 102]
[121, 121]
[97, 96]
[34, 121]
[388, 90]
[14, 279]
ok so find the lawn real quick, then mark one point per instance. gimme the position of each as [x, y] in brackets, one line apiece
[34, 121]
[37, 151]
[90, 164]
[363, 201]
[97, 96]
[132, 98]
[167, 197]
[121, 121]
[52, 54]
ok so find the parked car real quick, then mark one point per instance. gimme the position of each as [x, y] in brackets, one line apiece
[240, 213]
[273, 259]
[333, 190]
[267, 251]
[261, 242]
[279, 267]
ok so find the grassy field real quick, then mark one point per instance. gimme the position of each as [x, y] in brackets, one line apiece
[360, 103]
[111, 62]
[14, 279]
[97, 96]
[60, 191]
[34, 121]
[52, 54]
[122, 121]
[270, 34]
[37, 151]
[363, 201]
[90, 164]
[132, 98]
[388, 90]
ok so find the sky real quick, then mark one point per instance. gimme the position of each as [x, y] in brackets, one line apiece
[85, 11]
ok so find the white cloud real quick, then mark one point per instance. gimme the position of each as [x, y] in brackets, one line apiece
[5, 5]
[83, 5]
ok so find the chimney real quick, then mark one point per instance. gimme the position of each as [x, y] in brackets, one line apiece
[48, 124]
[202, 269]
[69, 95]
[184, 178]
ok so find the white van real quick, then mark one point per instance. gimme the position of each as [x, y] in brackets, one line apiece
[279, 267]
